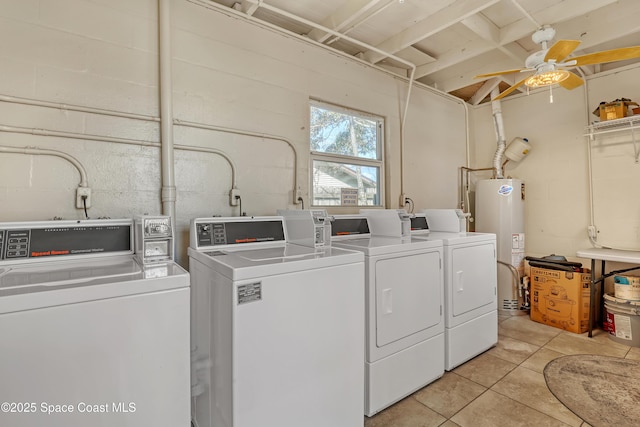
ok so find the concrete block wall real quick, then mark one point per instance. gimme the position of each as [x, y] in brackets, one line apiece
[227, 72]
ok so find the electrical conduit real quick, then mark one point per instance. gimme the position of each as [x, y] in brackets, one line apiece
[46, 152]
[126, 141]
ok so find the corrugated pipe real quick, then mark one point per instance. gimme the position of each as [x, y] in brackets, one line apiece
[499, 127]
[46, 152]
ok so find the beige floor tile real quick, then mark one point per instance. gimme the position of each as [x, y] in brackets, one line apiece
[503, 317]
[585, 424]
[406, 413]
[485, 369]
[449, 394]
[512, 350]
[449, 423]
[492, 409]
[524, 329]
[538, 360]
[530, 388]
[568, 343]
[634, 353]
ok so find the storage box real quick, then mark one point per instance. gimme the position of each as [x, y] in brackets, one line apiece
[560, 298]
[613, 110]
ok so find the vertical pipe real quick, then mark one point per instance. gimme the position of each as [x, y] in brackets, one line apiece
[499, 125]
[166, 111]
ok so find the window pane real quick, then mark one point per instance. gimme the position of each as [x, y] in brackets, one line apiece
[345, 134]
[329, 178]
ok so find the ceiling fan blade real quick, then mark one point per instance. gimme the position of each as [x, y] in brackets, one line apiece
[561, 49]
[572, 82]
[499, 73]
[511, 89]
[608, 56]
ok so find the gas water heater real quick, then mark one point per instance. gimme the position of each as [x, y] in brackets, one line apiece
[500, 210]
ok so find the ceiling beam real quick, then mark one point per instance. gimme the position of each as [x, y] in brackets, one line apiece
[347, 14]
[444, 18]
[490, 32]
[453, 57]
[449, 81]
[485, 90]
[564, 11]
[553, 14]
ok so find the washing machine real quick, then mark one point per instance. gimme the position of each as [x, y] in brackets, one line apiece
[470, 277]
[404, 305]
[90, 336]
[277, 328]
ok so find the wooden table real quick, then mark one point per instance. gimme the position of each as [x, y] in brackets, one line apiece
[604, 255]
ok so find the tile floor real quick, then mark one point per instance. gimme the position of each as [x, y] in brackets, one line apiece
[504, 386]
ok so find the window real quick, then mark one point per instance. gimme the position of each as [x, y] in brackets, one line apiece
[346, 156]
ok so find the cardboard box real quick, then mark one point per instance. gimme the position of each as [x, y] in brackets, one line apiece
[614, 110]
[560, 298]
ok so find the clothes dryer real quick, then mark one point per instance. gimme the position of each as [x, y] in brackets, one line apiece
[470, 277]
[88, 335]
[404, 307]
[277, 329]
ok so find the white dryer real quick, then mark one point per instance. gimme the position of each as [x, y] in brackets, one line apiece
[470, 275]
[277, 329]
[88, 335]
[404, 306]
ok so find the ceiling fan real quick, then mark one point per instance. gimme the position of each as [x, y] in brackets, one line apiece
[550, 64]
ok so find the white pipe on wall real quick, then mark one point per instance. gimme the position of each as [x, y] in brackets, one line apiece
[126, 141]
[46, 152]
[186, 123]
[79, 108]
[166, 111]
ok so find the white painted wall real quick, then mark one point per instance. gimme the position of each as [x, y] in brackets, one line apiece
[226, 72]
[556, 170]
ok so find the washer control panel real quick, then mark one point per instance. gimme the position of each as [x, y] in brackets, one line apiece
[53, 239]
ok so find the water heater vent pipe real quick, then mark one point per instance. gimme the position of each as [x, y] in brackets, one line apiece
[496, 109]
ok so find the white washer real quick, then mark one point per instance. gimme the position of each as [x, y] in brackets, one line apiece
[471, 303]
[88, 333]
[278, 329]
[404, 310]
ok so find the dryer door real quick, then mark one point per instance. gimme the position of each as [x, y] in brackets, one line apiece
[473, 277]
[408, 295]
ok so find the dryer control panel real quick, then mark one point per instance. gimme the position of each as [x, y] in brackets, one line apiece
[349, 225]
[206, 232]
[53, 239]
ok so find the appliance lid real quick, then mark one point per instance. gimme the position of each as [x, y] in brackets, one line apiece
[252, 263]
[32, 286]
[456, 238]
[376, 245]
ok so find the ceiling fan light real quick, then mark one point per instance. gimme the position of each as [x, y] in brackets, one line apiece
[547, 78]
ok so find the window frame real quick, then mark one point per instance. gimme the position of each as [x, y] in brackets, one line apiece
[378, 162]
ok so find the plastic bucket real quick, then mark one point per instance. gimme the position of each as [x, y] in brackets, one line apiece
[622, 320]
[627, 287]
